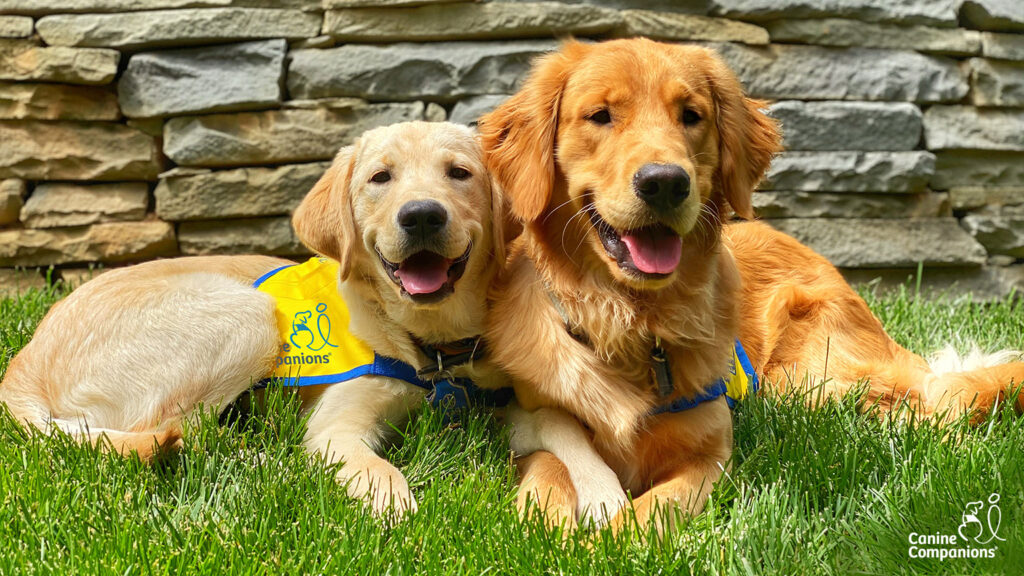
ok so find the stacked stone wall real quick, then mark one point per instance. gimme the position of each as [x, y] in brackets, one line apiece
[139, 129]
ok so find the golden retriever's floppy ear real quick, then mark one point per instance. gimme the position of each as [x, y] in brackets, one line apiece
[519, 136]
[748, 138]
[324, 220]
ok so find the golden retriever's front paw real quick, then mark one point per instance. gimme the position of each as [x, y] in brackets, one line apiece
[599, 500]
[383, 487]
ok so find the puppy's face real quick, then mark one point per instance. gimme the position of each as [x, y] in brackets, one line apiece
[410, 206]
[644, 142]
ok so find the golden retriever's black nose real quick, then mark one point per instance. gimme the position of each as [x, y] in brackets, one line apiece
[422, 218]
[662, 186]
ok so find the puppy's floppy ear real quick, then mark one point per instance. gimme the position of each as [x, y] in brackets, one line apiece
[324, 220]
[748, 138]
[519, 136]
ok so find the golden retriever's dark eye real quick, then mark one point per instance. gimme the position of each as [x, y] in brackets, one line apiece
[381, 177]
[601, 117]
[690, 117]
[458, 173]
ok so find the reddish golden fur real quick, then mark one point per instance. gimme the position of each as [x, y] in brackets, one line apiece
[555, 165]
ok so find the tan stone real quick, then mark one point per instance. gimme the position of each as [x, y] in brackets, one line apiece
[27, 60]
[839, 32]
[1004, 46]
[56, 102]
[329, 4]
[113, 242]
[37, 150]
[969, 197]
[11, 194]
[996, 83]
[55, 205]
[15, 281]
[75, 277]
[15, 27]
[41, 7]
[259, 235]
[676, 26]
[469, 21]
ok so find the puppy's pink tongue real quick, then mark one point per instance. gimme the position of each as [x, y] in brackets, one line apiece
[423, 273]
[654, 250]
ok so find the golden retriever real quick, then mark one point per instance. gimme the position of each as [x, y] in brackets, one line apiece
[622, 159]
[413, 222]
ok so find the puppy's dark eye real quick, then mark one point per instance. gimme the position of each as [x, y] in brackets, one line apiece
[690, 117]
[381, 177]
[458, 173]
[601, 117]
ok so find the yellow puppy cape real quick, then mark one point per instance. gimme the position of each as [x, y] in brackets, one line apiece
[317, 346]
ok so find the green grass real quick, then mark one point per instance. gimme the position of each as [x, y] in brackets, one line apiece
[811, 492]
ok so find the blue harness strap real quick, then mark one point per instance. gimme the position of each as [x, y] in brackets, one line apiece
[741, 382]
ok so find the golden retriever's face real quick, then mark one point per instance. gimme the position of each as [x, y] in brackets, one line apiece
[414, 210]
[644, 141]
[638, 146]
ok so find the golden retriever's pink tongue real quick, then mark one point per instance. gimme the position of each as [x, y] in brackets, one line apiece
[654, 251]
[423, 273]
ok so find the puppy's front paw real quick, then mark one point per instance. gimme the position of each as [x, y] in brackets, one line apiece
[599, 500]
[382, 486]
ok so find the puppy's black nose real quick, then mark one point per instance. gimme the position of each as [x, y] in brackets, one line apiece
[662, 186]
[422, 218]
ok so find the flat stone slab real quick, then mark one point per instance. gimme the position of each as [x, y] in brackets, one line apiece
[12, 194]
[814, 73]
[23, 100]
[848, 125]
[241, 193]
[986, 283]
[468, 110]
[55, 205]
[36, 150]
[440, 71]
[235, 77]
[113, 242]
[796, 204]
[43, 7]
[878, 243]
[26, 60]
[15, 27]
[971, 197]
[1000, 229]
[930, 12]
[678, 26]
[1005, 46]
[973, 128]
[276, 136]
[330, 4]
[957, 168]
[840, 32]
[175, 27]
[473, 20]
[996, 83]
[1005, 15]
[851, 171]
[251, 236]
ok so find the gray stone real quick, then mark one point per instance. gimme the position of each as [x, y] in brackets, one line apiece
[333, 4]
[438, 71]
[276, 136]
[42, 7]
[15, 27]
[56, 102]
[113, 242]
[676, 26]
[1005, 15]
[258, 235]
[813, 73]
[848, 125]
[850, 205]
[36, 150]
[175, 27]
[838, 32]
[26, 60]
[851, 171]
[970, 197]
[877, 243]
[931, 12]
[1005, 46]
[984, 284]
[969, 127]
[54, 205]
[1000, 229]
[17, 281]
[236, 77]
[490, 20]
[240, 193]
[957, 168]
[682, 6]
[12, 193]
[434, 112]
[468, 110]
[996, 83]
